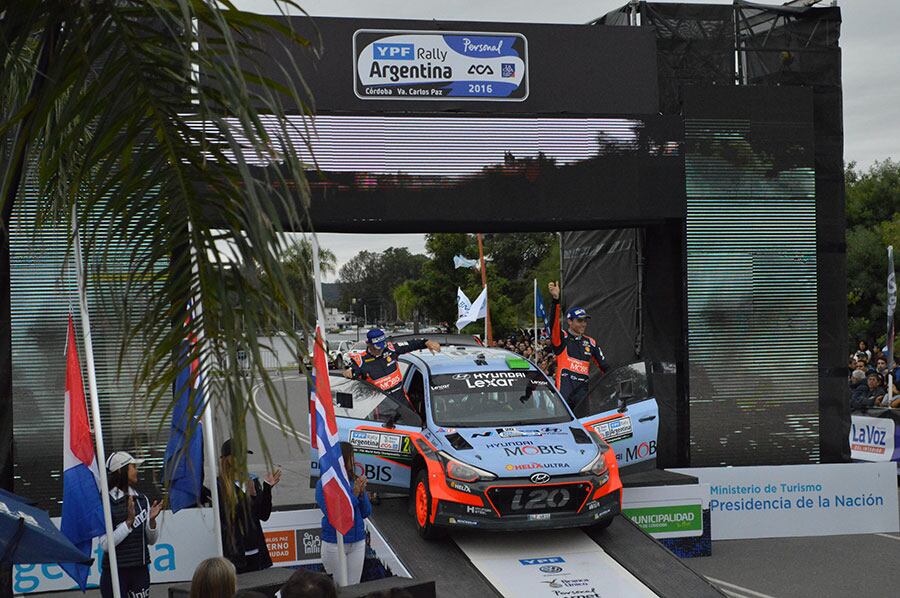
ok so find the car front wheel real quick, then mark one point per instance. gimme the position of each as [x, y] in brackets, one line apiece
[422, 507]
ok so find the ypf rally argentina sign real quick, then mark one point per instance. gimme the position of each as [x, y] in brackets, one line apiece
[435, 65]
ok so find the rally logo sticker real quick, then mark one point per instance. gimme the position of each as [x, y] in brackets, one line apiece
[436, 65]
[612, 430]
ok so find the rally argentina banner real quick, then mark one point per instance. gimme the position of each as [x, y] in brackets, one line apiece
[440, 65]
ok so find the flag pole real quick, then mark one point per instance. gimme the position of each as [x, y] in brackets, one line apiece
[535, 320]
[891, 307]
[341, 577]
[209, 439]
[95, 403]
[487, 305]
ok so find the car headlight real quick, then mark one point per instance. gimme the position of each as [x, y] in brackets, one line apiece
[463, 472]
[598, 466]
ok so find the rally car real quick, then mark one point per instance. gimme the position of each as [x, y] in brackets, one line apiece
[484, 442]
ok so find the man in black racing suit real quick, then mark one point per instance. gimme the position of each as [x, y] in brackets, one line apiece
[574, 352]
[378, 365]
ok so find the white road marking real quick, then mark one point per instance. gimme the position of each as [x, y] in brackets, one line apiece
[265, 417]
[889, 536]
[732, 589]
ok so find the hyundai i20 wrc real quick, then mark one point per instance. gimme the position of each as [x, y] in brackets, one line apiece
[481, 439]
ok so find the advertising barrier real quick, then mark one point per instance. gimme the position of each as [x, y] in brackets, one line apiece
[185, 539]
[678, 516]
[874, 438]
[800, 500]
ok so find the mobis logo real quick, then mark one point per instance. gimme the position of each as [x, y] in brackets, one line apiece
[530, 450]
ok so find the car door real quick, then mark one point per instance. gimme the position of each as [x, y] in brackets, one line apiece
[379, 427]
[626, 415]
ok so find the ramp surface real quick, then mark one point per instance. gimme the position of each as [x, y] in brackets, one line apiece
[651, 562]
[549, 563]
[439, 560]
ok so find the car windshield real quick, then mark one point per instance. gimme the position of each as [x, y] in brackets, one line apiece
[495, 398]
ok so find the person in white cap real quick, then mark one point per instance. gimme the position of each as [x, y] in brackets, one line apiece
[134, 528]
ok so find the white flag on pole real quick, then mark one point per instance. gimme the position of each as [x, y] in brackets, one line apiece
[476, 310]
[463, 305]
[461, 262]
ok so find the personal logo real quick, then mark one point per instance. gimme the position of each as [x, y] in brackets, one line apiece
[539, 478]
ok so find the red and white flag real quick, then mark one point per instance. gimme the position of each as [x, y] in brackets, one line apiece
[324, 437]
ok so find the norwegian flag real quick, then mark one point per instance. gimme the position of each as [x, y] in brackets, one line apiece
[324, 437]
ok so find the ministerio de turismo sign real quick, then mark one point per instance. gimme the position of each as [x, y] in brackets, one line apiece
[800, 500]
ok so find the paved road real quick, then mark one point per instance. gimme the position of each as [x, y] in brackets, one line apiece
[804, 567]
[289, 447]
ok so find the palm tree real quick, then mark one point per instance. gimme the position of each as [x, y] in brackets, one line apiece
[153, 117]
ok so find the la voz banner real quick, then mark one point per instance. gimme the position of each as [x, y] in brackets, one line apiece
[800, 500]
[435, 65]
[874, 439]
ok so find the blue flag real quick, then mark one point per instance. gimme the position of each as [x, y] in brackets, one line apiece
[540, 311]
[183, 472]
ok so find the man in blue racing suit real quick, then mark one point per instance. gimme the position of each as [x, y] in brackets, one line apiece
[378, 365]
[574, 352]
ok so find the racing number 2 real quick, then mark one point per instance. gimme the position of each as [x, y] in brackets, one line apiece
[540, 499]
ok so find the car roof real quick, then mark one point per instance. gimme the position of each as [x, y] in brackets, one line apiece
[456, 359]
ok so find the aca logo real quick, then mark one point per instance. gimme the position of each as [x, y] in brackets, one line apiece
[481, 69]
[385, 51]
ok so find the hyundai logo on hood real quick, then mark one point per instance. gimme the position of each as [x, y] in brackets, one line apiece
[539, 478]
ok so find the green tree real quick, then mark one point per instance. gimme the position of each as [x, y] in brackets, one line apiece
[873, 223]
[367, 280]
[101, 111]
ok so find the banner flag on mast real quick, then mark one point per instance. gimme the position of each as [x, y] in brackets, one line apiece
[324, 437]
[183, 470]
[540, 311]
[82, 508]
[462, 262]
[476, 311]
[891, 308]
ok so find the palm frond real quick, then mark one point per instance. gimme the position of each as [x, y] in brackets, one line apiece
[125, 131]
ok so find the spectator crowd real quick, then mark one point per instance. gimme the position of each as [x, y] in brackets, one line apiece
[522, 342]
[873, 378]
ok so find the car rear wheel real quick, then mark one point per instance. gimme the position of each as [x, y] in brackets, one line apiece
[422, 508]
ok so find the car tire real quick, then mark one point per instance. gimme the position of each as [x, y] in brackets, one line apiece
[421, 498]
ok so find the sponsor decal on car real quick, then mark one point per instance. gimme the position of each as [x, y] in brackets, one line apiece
[381, 443]
[527, 466]
[516, 432]
[456, 521]
[616, 429]
[478, 510]
[459, 486]
[531, 450]
[539, 517]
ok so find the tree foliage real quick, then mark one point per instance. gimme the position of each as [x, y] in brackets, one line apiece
[873, 223]
[101, 111]
[368, 281]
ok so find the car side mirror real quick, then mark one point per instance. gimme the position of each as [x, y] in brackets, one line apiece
[344, 400]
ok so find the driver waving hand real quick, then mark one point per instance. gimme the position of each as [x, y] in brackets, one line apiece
[378, 365]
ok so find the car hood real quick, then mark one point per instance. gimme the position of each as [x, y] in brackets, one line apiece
[515, 452]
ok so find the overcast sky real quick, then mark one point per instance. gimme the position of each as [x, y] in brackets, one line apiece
[871, 68]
